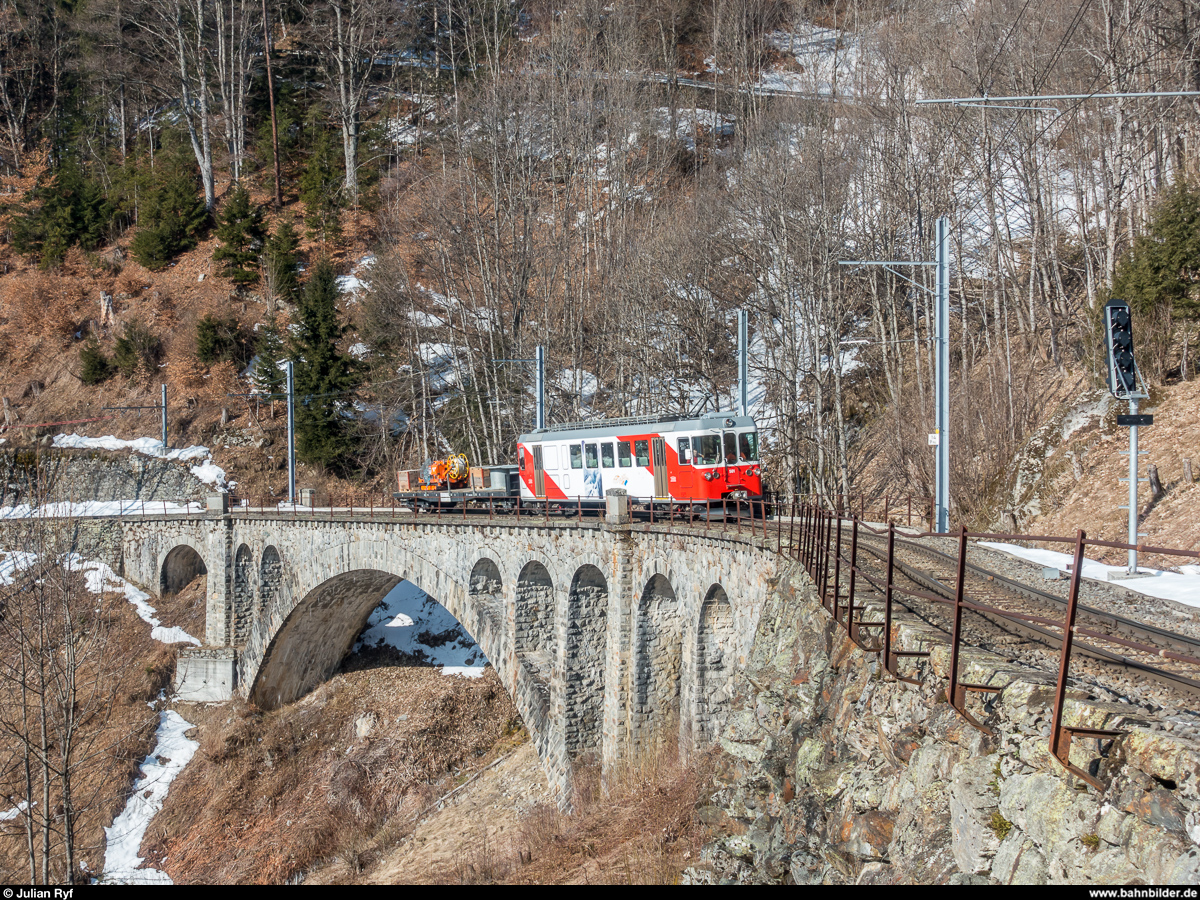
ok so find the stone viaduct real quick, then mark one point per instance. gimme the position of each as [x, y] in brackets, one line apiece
[606, 635]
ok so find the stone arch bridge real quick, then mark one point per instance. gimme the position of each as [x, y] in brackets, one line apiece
[605, 635]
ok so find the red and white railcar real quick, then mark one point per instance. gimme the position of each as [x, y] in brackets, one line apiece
[661, 458]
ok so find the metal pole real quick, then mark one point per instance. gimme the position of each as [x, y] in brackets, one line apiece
[541, 387]
[164, 415]
[291, 434]
[1064, 659]
[942, 376]
[743, 363]
[1133, 486]
[887, 601]
[956, 629]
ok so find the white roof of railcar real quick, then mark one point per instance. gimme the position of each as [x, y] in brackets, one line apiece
[637, 425]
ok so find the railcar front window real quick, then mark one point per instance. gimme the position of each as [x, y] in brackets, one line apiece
[730, 448]
[576, 457]
[708, 449]
[748, 446]
[606, 455]
[590, 454]
[641, 450]
[624, 460]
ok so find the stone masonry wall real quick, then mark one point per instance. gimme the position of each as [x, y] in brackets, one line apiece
[78, 475]
[830, 773]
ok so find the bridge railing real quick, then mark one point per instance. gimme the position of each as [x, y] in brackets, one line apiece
[827, 544]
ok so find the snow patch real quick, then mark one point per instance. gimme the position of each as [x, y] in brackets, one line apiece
[173, 751]
[206, 471]
[1182, 587]
[100, 578]
[11, 814]
[92, 508]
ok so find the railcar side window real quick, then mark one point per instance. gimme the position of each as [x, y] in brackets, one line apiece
[641, 449]
[606, 455]
[708, 449]
[624, 460]
[685, 451]
[589, 453]
[730, 448]
[748, 446]
[576, 456]
[522, 455]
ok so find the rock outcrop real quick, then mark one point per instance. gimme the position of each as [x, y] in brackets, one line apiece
[832, 771]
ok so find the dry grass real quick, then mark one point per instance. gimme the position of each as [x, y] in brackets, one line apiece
[272, 795]
[638, 828]
[1093, 502]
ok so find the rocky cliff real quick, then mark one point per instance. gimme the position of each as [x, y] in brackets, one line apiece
[831, 771]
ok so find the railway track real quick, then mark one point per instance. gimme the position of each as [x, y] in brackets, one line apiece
[1023, 623]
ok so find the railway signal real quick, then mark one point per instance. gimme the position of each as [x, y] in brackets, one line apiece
[1125, 383]
[1123, 375]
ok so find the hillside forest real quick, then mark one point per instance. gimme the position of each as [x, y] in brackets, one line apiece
[397, 195]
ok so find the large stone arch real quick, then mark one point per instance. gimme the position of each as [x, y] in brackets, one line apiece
[316, 635]
[584, 648]
[179, 565]
[715, 660]
[658, 662]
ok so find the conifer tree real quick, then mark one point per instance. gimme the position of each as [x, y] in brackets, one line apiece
[281, 261]
[94, 366]
[323, 374]
[240, 231]
[1162, 271]
[269, 352]
[171, 220]
[320, 190]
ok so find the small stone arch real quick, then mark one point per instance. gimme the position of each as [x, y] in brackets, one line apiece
[485, 580]
[243, 594]
[486, 589]
[270, 579]
[584, 661]
[534, 620]
[715, 664]
[659, 662]
[180, 566]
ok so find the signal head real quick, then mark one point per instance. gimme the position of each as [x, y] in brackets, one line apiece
[1123, 374]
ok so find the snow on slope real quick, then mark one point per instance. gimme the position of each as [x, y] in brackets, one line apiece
[1182, 587]
[100, 578]
[417, 625]
[88, 508]
[124, 838]
[204, 470]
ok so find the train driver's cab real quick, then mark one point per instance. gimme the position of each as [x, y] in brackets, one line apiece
[725, 448]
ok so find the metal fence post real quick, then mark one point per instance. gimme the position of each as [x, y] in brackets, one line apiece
[837, 568]
[850, 589]
[887, 601]
[956, 631]
[1064, 661]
